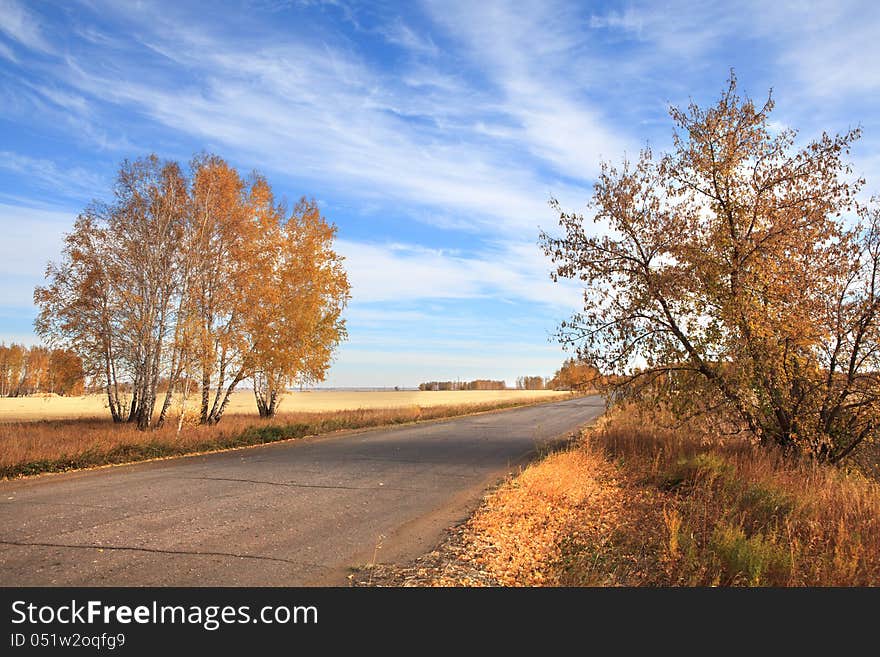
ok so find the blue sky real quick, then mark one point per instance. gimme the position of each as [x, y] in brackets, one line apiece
[431, 133]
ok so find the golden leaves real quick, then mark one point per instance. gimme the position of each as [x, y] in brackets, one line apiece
[726, 276]
[195, 277]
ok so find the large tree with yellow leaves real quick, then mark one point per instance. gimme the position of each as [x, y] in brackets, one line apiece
[736, 275]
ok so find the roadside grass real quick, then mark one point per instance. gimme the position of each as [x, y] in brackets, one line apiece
[726, 512]
[527, 523]
[634, 504]
[29, 448]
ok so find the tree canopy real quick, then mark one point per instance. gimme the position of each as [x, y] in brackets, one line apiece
[736, 275]
[200, 278]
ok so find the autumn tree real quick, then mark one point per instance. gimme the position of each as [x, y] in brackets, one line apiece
[66, 375]
[530, 383]
[575, 374]
[735, 275]
[197, 278]
[147, 225]
[34, 370]
[484, 384]
[111, 297]
[79, 307]
[223, 238]
[476, 384]
[13, 365]
[297, 290]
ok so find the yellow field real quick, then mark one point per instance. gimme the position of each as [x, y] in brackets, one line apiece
[33, 409]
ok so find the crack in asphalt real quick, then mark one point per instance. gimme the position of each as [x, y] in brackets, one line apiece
[296, 485]
[74, 504]
[158, 551]
[386, 459]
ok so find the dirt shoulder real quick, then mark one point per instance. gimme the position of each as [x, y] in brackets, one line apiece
[517, 536]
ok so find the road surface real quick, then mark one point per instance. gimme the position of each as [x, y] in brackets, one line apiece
[289, 514]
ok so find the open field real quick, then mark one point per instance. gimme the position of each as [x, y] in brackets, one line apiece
[37, 408]
[31, 447]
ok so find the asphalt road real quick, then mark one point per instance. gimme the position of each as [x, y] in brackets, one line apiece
[288, 514]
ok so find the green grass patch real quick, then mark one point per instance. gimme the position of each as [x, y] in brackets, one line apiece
[748, 560]
[704, 468]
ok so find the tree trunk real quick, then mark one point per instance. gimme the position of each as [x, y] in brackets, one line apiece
[206, 394]
[166, 404]
[261, 399]
[215, 417]
[112, 401]
[220, 381]
[133, 410]
[273, 403]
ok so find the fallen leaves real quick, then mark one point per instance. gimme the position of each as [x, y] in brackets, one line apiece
[516, 537]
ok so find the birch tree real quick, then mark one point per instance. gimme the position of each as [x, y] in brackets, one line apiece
[299, 289]
[202, 277]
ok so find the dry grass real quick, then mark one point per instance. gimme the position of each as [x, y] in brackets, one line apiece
[519, 535]
[522, 531]
[703, 511]
[634, 504]
[51, 446]
[53, 407]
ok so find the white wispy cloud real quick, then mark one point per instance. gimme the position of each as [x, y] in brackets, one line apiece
[6, 53]
[400, 34]
[828, 48]
[48, 174]
[508, 270]
[532, 52]
[31, 237]
[832, 47]
[319, 114]
[63, 108]
[319, 110]
[17, 23]
[628, 20]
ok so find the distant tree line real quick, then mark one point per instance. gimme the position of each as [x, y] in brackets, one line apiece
[576, 374]
[196, 281]
[477, 384]
[32, 370]
[530, 383]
